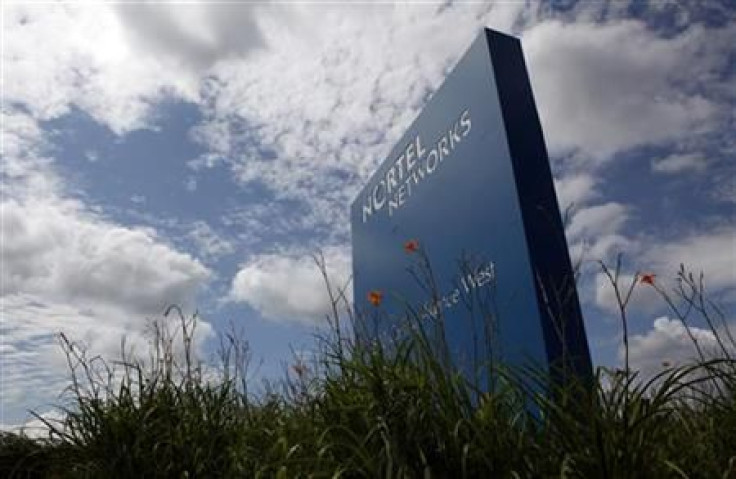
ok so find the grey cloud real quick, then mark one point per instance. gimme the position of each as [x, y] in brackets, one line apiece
[197, 34]
[605, 89]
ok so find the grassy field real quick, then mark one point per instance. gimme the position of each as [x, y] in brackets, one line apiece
[392, 410]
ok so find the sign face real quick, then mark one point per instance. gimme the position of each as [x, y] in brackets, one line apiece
[468, 192]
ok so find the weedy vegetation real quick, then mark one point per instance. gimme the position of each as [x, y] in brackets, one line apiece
[392, 409]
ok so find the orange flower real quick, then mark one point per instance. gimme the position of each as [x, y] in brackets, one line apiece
[375, 297]
[647, 278]
[411, 246]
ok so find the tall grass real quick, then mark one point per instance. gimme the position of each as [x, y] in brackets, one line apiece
[393, 409]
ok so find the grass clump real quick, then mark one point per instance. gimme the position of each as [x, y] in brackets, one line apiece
[395, 409]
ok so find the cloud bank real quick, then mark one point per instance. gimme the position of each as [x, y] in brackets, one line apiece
[291, 287]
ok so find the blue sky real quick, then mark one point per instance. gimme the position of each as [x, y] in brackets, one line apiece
[158, 153]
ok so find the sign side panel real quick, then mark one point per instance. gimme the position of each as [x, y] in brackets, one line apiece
[555, 283]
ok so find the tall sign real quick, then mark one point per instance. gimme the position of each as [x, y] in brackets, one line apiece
[460, 224]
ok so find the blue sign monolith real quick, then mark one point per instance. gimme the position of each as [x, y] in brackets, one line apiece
[460, 224]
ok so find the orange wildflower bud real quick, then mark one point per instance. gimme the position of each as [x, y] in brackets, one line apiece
[647, 278]
[375, 297]
[411, 246]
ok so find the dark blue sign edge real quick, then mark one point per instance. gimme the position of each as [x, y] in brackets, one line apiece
[557, 299]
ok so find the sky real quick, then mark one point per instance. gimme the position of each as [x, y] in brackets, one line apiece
[200, 153]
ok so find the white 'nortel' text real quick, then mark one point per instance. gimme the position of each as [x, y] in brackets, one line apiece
[415, 164]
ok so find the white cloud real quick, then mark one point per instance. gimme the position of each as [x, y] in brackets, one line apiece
[290, 287]
[711, 252]
[34, 428]
[24, 162]
[597, 220]
[310, 112]
[61, 251]
[575, 189]
[595, 233]
[313, 131]
[677, 163]
[644, 298]
[71, 55]
[606, 88]
[208, 242]
[668, 342]
[603, 248]
[35, 372]
[66, 268]
[326, 104]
